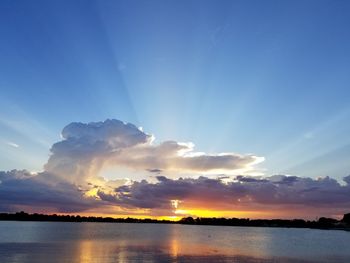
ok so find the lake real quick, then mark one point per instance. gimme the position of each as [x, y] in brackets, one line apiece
[36, 242]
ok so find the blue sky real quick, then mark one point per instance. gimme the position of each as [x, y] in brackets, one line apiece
[269, 78]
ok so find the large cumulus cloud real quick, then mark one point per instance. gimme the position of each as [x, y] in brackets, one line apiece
[71, 180]
[86, 148]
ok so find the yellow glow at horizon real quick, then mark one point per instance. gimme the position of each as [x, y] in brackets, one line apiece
[219, 213]
[170, 218]
[181, 213]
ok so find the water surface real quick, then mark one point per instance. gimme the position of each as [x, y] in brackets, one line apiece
[36, 242]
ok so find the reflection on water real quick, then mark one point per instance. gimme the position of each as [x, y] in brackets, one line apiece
[38, 242]
[85, 251]
[174, 247]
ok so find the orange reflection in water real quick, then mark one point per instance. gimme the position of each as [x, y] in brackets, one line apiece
[88, 251]
[191, 241]
[174, 248]
[123, 242]
[85, 251]
[174, 243]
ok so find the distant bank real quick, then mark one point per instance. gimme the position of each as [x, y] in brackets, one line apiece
[321, 223]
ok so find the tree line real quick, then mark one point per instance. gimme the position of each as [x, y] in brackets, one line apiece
[321, 223]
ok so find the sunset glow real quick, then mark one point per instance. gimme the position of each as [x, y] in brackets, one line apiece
[172, 110]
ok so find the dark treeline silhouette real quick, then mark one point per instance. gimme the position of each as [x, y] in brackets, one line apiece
[22, 216]
[321, 223]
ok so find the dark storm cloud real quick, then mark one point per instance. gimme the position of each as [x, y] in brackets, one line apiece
[274, 190]
[44, 190]
[19, 189]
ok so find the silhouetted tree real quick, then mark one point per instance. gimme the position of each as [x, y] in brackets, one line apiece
[346, 219]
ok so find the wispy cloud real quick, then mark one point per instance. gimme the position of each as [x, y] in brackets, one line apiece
[12, 144]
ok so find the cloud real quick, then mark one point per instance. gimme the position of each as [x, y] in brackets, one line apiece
[157, 171]
[12, 144]
[71, 177]
[72, 181]
[175, 157]
[243, 192]
[87, 148]
[22, 190]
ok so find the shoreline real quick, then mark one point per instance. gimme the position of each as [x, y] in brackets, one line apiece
[322, 223]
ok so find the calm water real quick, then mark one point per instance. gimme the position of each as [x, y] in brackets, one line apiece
[102, 242]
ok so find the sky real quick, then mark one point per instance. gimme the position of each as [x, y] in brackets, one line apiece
[115, 101]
